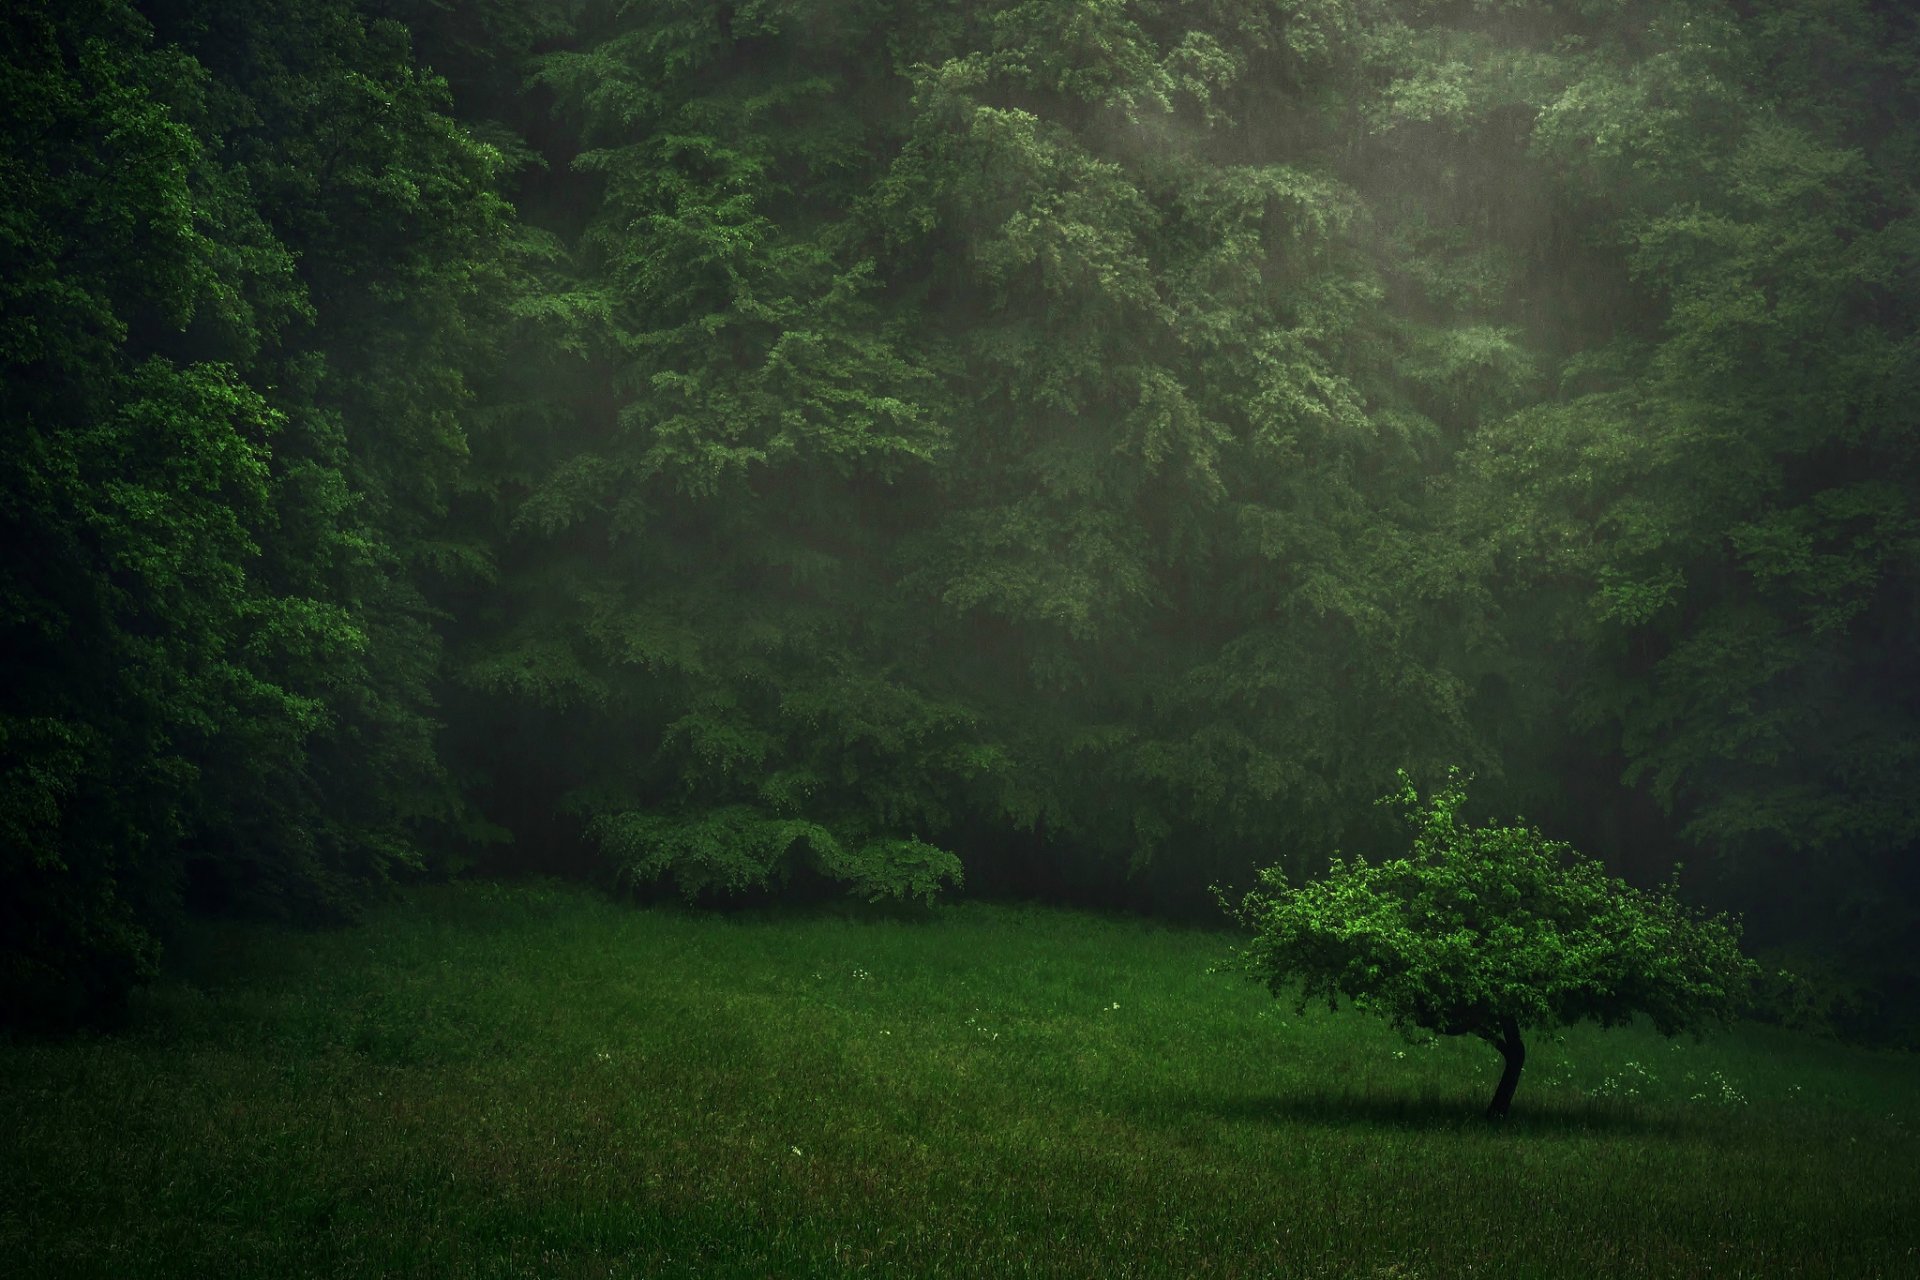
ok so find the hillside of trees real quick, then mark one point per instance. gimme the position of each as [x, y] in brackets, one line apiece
[1074, 449]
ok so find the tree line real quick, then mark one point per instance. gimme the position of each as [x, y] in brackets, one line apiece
[1074, 449]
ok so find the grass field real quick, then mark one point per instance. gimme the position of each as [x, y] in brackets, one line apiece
[532, 1081]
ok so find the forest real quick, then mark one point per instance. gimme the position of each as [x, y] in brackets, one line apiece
[1059, 450]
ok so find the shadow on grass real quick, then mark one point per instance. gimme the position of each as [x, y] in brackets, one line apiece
[1428, 1112]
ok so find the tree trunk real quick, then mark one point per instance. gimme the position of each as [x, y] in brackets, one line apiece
[1515, 1053]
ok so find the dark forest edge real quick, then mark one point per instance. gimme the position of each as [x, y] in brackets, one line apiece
[1083, 449]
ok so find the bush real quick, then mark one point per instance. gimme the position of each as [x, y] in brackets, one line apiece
[734, 849]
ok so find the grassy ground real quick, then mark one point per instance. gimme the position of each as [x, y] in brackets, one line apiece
[534, 1082]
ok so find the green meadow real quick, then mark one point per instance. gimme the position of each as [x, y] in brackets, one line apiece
[487, 1080]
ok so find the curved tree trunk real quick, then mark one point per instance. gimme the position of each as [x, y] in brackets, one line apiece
[1515, 1053]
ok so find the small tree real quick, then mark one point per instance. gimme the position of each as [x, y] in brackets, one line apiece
[1490, 931]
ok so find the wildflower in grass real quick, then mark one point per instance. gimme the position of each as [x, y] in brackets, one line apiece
[1629, 1082]
[1725, 1092]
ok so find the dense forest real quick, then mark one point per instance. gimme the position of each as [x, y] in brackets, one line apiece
[1075, 449]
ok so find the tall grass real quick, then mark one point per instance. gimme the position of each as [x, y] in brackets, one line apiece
[532, 1081]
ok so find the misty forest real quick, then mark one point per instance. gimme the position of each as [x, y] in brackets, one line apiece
[711, 637]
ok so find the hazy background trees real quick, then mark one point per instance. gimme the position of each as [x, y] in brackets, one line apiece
[250, 261]
[806, 442]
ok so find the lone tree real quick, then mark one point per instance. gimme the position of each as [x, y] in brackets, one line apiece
[1490, 931]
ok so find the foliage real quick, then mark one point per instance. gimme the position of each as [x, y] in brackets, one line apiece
[1089, 440]
[244, 276]
[1489, 931]
[737, 848]
[1716, 507]
[135, 486]
[955, 456]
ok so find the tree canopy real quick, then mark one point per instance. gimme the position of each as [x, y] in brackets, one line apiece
[1072, 448]
[247, 271]
[1491, 931]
